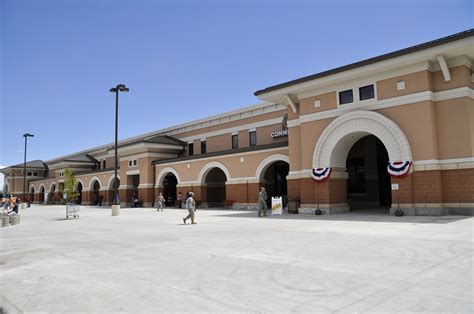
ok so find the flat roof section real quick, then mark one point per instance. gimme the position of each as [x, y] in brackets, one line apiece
[390, 55]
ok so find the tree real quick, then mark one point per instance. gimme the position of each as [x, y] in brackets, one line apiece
[69, 185]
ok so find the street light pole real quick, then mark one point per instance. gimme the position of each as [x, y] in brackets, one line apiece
[26, 135]
[116, 203]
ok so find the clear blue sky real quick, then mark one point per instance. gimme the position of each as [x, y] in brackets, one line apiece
[182, 60]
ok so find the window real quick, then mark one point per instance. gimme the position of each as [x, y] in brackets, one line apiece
[346, 97]
[366, 92]
[253, 138]
[191, 149]
[235, 141]
[129, 163]
[28, 174]
[132, 163]
[103, 164]
[135, 162]
[35, 174]
[203, 147]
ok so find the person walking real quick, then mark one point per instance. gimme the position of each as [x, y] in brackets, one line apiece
[262, 202]
[159, 202]
[191, 207]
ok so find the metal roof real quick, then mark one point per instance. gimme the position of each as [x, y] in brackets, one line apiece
[401, 52]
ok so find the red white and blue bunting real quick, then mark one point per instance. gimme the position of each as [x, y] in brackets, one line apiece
[321, 174]
[399, 169]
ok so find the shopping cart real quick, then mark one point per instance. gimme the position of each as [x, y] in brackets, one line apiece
[72, 210]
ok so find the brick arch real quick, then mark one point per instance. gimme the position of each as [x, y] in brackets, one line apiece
[111, 180]
[163, 173]
[208, 167]
[342, 133]
[92, 181]
[263, 166]
[77, 184]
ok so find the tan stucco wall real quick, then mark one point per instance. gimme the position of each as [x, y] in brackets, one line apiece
[231, 124]
[423, 140]
[460, 76]
[294, 143]
[219, 142]
[414, 83]
[310, 133]
[328, 101]
[264, 134]
[244, 138]
[455, 122]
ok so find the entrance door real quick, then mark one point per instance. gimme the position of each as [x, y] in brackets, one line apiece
[275, 181]
[368, 183]
[169, 189]
[215, 186]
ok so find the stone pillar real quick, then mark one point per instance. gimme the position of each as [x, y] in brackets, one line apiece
[125, 193]
[199, 193]
[86, 197]
[329, 196]
[404, 195]
[145, 195]
[243, 194]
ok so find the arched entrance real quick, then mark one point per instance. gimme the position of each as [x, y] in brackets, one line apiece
[111, 193]
[368, 183]
[95, 197]
[274, 180]
[215, 187]
[41, 194]
[32, 194]
[79, 188]
[338, 148]
[52, 195]
[169, 189]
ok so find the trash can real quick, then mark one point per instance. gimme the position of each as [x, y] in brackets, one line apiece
[293, 206]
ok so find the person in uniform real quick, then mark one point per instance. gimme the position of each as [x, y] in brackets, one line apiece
[191, 207]
[262, 202]
[159, 202]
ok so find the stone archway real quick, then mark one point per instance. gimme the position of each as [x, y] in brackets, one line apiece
[342, 133]
[335, 143]
[32, 194]
[213, 178]
[110, 195]
[78, 188]
[41, 199]
[272, 173]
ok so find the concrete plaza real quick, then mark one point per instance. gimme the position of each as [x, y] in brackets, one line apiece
[232, 261]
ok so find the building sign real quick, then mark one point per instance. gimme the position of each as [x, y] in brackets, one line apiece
[284, 128]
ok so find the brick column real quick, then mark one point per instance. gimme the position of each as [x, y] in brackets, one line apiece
[244, 195]
[329, 196]
[404, 194]
[145, 195]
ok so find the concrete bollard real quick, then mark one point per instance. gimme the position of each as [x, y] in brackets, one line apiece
[15, 220]
[5, 221]
[115, 210]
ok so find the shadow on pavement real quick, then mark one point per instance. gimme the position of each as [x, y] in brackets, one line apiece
[367, 216]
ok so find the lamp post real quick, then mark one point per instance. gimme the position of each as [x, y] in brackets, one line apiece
[116, 203]
[26, 135]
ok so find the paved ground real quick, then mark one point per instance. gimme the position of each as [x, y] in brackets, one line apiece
[234, 262]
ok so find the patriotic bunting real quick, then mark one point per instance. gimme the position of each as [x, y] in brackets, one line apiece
[399, 169]
[321, 174]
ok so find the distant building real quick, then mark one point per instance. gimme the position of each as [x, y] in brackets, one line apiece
[415, 105]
